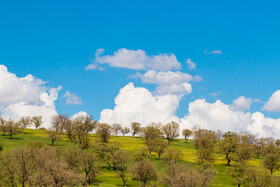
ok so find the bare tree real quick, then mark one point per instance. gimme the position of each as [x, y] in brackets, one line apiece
[59, 122]
[204, 142]
[106, 150]
[125, 130]
[90, 166]
[272, 162]
[103, 132]
[37, 121]
[3, 125]
[8, 169]
[173, 155]
[25, 122]
[54, 171]
[116, 128]
[228, 145]
[140, 155]
[157, 145]
[171, 131]
[277, 143]
[54, 135]
[72, 156]
[70, 129]
[152, 131]
[144, 171]
[120, 161]
[261, 178]
[83, 125]
[186, 133]
[241, 173]
[24, 164]
[179, 175]
[135, 127]
[12, 128]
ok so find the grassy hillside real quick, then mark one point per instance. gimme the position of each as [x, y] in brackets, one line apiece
[108, 178]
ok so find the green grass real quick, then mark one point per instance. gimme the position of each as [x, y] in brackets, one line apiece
[108, 178]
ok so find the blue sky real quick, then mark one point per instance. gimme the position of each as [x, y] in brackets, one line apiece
[55, 41]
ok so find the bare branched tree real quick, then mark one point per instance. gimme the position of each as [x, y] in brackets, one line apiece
[25, 122]
[135, 127]
[171, 131]
[125, 130]
[37, 121]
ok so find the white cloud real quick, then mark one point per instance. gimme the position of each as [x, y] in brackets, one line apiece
[138, 104]
[81, 113]
[72, 99]
[198, 78]
[14, 89]
[264, 126]
[169, 77]
[174, 89]
[221, 116]
[26, 96]
[191, 64]
[168, 82]
[215, 116]
[214, 52]
[94, 66]
[273, 104]
[136, 59]
[241, 103]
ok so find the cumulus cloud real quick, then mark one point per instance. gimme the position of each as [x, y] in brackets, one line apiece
[214, 52]
[26, 96]
[139, 104]
[135, 59]
[264, 126]
[168, 82]
[273, 104]
[215, 116]
[79, 114]
[241, 103]
[191, 64]
[72, 99]
[221, 116]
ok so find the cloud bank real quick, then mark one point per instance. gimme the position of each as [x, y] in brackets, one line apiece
[26, 96]
[139, 104]
[135, 104]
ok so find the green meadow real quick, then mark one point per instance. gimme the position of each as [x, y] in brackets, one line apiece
[107, 178]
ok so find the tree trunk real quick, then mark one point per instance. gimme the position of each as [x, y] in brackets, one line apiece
[228, 162]
[123, 179]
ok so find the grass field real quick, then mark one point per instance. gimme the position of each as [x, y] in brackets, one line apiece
[108, 178]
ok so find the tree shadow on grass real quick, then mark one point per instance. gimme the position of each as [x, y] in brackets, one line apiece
[13, 138]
